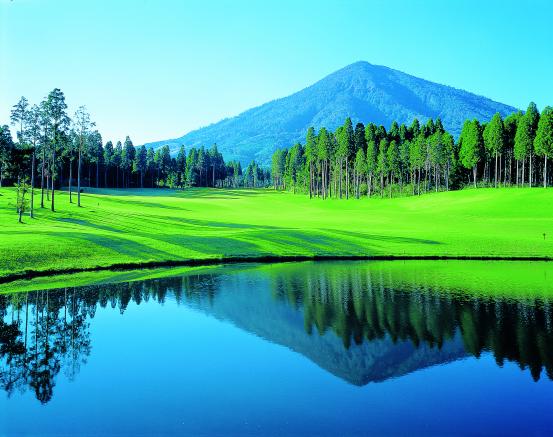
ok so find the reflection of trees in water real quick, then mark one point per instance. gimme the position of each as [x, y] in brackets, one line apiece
[359, 306]
[45, 332]
[40, 332]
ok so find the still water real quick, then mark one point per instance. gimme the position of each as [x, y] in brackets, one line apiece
[334, 348]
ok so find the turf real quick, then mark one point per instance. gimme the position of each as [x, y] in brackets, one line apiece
[526, 280]
[141, 226]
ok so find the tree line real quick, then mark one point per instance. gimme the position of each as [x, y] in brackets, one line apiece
[52, 150]
[368, 160]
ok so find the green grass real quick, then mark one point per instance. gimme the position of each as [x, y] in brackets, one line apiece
[524, 280]
[140, 226]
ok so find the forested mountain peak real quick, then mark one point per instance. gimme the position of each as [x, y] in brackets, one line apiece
[362, 91]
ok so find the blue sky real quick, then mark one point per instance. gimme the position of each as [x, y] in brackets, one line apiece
[158, 69]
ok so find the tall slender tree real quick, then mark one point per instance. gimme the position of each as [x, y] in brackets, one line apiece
[471, 149]
[82, 125]
[59, 121]
[543, 143]
[494, 139]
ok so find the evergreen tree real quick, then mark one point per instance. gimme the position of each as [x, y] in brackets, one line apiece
[181, 166]
[82, 126]
[108, 160]
[471, 148]
[524, 138]
[543, 143]
[140, 164]
[372, 158]
[392, 164]
[117, 160]
[323, 157]
[360, 169]
[494, 139]
[127, 159]
[59, 123]
[151, 165]
[382, 163]
[311, 156]
[6, 150]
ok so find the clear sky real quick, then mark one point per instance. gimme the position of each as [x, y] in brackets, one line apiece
[158, 69]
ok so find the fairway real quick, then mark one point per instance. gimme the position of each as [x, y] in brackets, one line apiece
[144, 226]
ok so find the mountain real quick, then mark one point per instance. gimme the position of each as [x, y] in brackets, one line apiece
[362, 91]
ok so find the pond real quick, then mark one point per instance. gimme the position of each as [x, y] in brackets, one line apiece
[327, 348]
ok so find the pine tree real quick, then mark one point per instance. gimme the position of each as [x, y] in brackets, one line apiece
[372, 158]
[181, 166]
[524, 138]
[494, 139]
[392, 165]
[543, 143]
[82, 126]
[311, 156]
[382, 163]
[472, 145]
[140, 163]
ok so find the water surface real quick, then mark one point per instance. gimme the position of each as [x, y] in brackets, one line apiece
[334, 348]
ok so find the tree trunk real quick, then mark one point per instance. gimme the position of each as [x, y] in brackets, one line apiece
[341, 176]
[42, 180]
[495, 182]
[31, 212]
[474, 175]
[97, 173]
[545, 171]
[310, 180]
[523, 165]
[347, 178]
[530, 172]
[79, 179]
[70, 180]
[53, 179]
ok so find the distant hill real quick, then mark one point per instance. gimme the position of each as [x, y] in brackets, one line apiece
[362, 91]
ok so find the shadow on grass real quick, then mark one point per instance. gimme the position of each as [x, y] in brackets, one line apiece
[122, 246]
[89, 224]
[387, 238]
[212, 224]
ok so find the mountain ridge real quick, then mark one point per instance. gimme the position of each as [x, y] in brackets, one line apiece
[362, 91]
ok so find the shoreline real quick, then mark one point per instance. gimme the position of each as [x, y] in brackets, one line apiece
[261, 259]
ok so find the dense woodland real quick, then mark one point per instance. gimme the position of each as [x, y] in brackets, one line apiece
[368, 160]
[52, 150]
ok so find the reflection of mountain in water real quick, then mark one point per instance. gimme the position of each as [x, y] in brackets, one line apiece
[348, 319]
[245, 301]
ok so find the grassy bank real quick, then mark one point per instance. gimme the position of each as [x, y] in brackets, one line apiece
[141, 226]
[467, 279]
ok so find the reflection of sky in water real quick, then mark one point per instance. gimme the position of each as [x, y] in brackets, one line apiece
[206, 366]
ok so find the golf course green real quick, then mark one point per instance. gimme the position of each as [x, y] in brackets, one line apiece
[144, 227]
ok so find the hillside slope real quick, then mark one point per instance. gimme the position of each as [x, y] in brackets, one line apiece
[362, 91]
